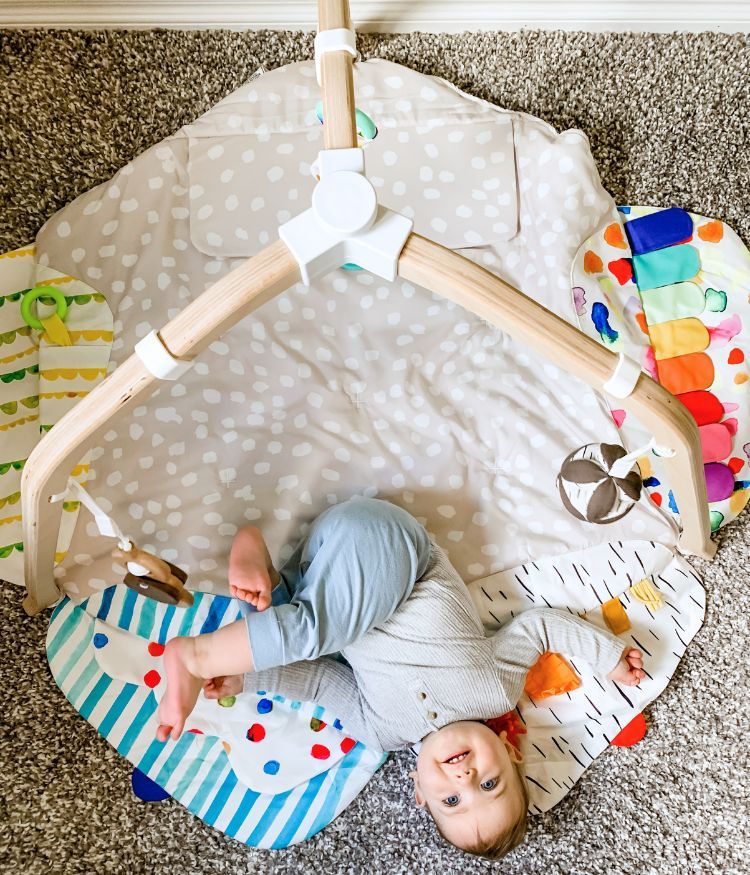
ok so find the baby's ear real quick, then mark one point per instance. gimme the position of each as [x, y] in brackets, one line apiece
[419, 798]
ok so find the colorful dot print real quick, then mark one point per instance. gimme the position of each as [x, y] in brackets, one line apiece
[100, 640]
[320, 752]
[265, 706]
[256, 733]
[272, 767]
[152, 678]
[155, 649]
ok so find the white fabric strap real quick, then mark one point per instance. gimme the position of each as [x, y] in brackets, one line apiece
[623, 466]
[623, 380]
[158, 360]
[104, 522]
[339, 39]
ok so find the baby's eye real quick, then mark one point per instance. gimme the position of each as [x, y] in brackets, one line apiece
[489, 785]
[451, 801]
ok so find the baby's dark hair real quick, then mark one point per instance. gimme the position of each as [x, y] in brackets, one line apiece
[496, 847]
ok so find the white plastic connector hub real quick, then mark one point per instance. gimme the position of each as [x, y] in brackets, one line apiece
[345, 203]
[345, 223]
[339, 39]
[158, 360]
[624, 378]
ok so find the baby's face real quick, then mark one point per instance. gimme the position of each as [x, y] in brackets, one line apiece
[466, 776]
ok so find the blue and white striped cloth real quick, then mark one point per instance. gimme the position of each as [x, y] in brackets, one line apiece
[195, 770]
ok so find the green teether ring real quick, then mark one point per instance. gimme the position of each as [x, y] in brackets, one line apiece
[366, 127]
[42, 292]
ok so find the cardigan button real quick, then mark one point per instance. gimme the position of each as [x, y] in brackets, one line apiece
[432, 715]
[422, 695]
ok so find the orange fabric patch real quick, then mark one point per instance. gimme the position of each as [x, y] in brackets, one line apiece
[640, 318]
[615, 616]
[592, 263]
[686, 373]
[549, 676]
[613, 236]
[740, 378]
[736, 357]
[711, 232]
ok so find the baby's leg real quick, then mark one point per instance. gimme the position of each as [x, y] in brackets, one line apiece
[251, 572]
[191, 661]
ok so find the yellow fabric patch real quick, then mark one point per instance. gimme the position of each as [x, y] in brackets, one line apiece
[55, 331]
[646, 594]
[615, 616]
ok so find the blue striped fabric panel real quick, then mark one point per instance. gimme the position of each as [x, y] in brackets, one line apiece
[195, 770]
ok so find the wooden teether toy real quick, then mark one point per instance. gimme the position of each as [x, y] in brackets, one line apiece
[154, 577]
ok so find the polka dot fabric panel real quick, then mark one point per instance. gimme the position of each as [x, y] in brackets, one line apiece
[353, 385]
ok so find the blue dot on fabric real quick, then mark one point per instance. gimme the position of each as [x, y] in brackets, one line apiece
[337, 724]
[264, 706]
[278, 698]
[144, 788]
[295, 706]
[261, 692]
[100, 640]
[271, 767]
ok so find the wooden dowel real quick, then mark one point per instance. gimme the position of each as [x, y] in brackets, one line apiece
[451, 275]
[47, 470]
[337, 88]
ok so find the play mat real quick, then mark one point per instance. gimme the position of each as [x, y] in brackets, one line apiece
[354, 385]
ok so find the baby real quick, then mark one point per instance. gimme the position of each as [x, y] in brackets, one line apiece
[368, 582]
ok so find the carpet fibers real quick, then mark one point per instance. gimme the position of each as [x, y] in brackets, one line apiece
[668, 119]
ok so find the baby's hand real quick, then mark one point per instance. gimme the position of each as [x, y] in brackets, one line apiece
[629, 670]
[218, 688]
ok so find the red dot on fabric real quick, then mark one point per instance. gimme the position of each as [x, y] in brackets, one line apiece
[656, 498]
[347, 744]
[196, 731]
[155, 649]
[622, 268]
[152, 678]
[320, 752]
[736, 357]
[256, 732]
[632, 733]
[735, 465]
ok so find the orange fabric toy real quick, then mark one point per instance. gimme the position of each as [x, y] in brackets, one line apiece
[549, 676]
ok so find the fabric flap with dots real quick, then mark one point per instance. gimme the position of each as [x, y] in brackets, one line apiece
[250, 162]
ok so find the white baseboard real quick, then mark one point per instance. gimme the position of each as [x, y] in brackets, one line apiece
[388, 15]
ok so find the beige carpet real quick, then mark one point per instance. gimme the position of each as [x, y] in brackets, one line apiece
[668, 118]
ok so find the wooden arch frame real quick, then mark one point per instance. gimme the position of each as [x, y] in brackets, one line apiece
[271, 272]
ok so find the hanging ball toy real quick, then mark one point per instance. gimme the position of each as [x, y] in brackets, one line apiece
[594, 487]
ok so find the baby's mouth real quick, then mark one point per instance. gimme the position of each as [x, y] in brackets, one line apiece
[456, 758]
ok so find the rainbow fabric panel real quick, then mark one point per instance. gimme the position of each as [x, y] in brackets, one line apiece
[670, 289]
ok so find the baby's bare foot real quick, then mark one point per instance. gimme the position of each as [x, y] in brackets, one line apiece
[629, 670]
[182, 690]
[251, 572]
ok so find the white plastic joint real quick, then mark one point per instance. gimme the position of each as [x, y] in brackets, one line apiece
[158, 360]
[623, 380]
[339, 39]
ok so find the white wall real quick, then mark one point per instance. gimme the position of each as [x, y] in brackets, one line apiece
[388, 15]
